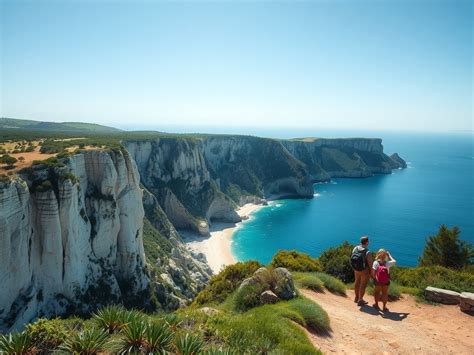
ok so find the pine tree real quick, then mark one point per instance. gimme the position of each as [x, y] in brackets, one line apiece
[447, 249]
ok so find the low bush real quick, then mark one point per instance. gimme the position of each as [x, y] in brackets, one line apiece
[436, 276]
[47, 335]
[313, 315]
[112, 318]
[295, 261]
[249, 296]
[332, 284]
[310, 282]
[224, 283]
[336, 262]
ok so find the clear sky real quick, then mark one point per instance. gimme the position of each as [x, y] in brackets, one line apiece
[339, 64]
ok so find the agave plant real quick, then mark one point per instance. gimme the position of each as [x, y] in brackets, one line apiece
[189, 345]
[87, 342]
[173, 320]
[158, 337]
[111, 318]
[16, 343]
[133, 339]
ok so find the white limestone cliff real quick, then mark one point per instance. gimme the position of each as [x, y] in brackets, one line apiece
[66, 230]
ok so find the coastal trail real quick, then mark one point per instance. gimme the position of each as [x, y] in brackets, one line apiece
[408, 328]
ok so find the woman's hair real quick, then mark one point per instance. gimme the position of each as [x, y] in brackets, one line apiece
[380, 254]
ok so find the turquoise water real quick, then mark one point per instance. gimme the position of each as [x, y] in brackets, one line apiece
[396, 211]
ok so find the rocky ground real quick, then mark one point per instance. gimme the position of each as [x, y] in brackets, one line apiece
[408, 328]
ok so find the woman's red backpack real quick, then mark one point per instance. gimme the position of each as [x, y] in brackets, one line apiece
[381, 275]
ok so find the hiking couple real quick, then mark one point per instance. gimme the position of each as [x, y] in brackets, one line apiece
[364, 268]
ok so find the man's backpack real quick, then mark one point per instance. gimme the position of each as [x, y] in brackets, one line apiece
[381, 275]
[358, 259]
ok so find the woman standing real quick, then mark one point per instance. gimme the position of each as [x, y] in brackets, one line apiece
[381, 275]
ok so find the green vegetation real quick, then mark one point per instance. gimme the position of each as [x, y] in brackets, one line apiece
[8, 160]
[226, 282]
[16, 343]
[436, 276]
[295, 261]
[88, 341]
[52, 162]
[332, 284]
[447, 249]
[47, 335]
[336, 262]
[309, 281]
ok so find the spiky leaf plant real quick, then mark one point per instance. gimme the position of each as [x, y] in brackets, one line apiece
[16, 343]
[87, 342]
[189, 345]
[158, 337]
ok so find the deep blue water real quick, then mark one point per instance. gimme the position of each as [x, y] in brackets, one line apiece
[396, 211]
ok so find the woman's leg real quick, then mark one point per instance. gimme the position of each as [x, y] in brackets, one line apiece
[385, 296]
[377, 290]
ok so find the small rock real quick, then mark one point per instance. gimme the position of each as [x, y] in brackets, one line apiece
[284, 286]
[268, 297]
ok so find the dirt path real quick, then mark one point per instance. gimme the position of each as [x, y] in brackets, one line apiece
[408, 328]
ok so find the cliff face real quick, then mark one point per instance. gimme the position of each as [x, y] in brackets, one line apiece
[200, 180]
[67, 231]
[352, 157]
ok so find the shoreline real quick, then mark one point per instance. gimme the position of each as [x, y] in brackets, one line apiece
[217, 246]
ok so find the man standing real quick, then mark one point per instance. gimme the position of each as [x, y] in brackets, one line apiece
[361, 262]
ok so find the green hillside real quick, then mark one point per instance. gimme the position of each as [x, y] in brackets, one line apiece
[73, 127]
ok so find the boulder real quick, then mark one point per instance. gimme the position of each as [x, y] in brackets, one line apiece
[284, 287]
[440, 295]
[268, 297]
[466, 302]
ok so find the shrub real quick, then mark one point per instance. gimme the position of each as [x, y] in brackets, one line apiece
[47, 335]
[89, 341]
[313, 315]
[446, 249]
[336, 262]
[8, 160]
[332, 284]
[295, 261]
[310, 282]
[436, 276]
[16, 343]
[224, 283]
[249, 296]
[189, 345]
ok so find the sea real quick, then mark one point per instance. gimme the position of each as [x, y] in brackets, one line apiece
[398, 211]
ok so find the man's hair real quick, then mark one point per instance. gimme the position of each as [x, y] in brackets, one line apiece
[364, 240]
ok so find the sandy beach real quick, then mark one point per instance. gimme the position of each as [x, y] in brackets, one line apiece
[217, 246]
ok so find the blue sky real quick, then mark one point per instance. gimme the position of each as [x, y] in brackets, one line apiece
[337, 64]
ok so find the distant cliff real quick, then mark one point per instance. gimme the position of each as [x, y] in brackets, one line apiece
[74, 232]
[350, 157]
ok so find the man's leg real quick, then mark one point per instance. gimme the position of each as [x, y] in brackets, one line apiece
[356, 285]
[363, 284]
